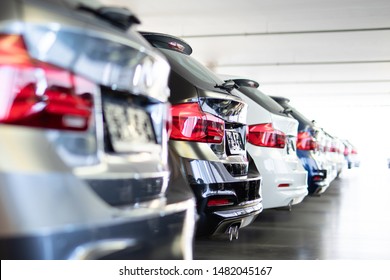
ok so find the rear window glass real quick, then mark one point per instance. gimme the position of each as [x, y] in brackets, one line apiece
[263, 100]
[300, 117]
[191, 69]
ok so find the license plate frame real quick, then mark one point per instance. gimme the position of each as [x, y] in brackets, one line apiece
[234, 143]
[127, 125]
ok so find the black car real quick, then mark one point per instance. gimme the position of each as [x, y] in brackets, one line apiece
[207, 140]
[84, 166]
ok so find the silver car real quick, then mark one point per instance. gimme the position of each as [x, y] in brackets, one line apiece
[84, 165]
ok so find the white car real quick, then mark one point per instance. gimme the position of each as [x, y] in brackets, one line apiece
[272, 145]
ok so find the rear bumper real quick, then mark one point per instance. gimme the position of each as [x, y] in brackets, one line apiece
[209, 179]
[57, 216]
[167, 235]
[218, 222]
[318, 187]
[245, 197]
[284, 179]
[285, 196]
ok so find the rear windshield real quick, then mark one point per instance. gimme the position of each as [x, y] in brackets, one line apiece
[191, 70]
[300, 117]
[263, 100]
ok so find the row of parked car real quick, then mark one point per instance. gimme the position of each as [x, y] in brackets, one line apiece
[117, 144]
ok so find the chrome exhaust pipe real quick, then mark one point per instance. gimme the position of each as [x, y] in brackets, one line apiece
[233, 232]
[289, 206]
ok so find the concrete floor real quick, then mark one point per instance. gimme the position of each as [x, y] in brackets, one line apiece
[350, 221]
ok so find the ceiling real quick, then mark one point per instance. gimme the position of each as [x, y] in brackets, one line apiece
[321, 54]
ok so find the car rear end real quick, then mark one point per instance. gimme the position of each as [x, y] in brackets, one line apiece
[336, 150]
[330, 156]
[308, 149]
[83, 117]
[208, 138]
[272, 145]
[351, 154]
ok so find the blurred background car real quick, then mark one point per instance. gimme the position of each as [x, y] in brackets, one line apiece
[351, 154]
[310, 149]
[208, 140]
[83, 116]
[272, 140]
[336, 154]
[328, 150]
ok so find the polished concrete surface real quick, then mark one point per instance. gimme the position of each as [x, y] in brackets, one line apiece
[351, 220]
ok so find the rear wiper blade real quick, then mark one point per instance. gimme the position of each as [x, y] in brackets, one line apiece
[287, 111]
[227, 85]
[118, 16]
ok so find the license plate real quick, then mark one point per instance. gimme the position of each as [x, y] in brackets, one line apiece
[127, 125]
[235, 144]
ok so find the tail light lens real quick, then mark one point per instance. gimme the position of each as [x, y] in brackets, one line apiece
[213, 202]
[306, 142]
[190, 123]
[317, 178]
[38, 94]
[265, 135]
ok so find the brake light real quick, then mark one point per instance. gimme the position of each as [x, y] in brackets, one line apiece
[219, 202]
[265, 135]
[37, 94]
[190, 123]
[306, 142]
[317, 178]
[283, 185]
[176, 46]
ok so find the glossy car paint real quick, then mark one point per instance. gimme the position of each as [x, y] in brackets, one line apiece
[77, 194]
[336, 156]
[211, 170]
[284, 178]
[313, 161]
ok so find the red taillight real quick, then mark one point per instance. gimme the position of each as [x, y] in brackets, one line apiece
[265, 135]
[317, 178]
[306, 142]
[219, 202]
[283, 185]
[38, 94]
[190, 123]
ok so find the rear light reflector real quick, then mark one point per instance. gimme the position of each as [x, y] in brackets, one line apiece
[40, 95]
[317, 178]
[265, 135]
[283, 185]
[306, 142]
[219, 202]
[190, 123]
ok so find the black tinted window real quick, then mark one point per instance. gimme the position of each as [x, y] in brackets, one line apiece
[263, 100]
[191, 69]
